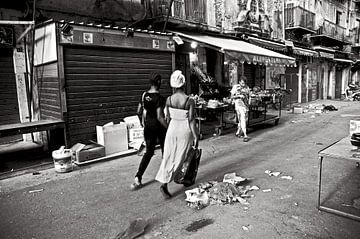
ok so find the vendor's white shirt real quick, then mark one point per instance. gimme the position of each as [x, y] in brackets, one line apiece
[238, 90]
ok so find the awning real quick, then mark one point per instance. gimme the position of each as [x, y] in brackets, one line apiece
[305, 52]
[243, 51]
[268, 44]
[343, 60]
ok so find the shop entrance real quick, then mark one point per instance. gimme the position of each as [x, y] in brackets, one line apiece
[292, 85]
[338, 81]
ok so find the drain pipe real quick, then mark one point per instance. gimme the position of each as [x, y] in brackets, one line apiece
[168, 15]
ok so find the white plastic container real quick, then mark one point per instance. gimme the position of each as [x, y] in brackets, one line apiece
[62, 160]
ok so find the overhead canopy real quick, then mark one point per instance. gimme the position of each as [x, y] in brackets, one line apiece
[241, 50]
[268, 44]
[305, 52]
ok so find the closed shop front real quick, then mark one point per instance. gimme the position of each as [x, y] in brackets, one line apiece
[105, 84]
[104, 72]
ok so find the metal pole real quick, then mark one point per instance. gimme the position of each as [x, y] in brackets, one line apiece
[32, 56]
[167, 17]
[319, 182]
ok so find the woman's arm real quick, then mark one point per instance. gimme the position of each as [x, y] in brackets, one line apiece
[161, 117]
[141, 113]
[167, 116]
[192, 123]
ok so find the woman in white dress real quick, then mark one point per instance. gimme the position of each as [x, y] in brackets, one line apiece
[182, 133]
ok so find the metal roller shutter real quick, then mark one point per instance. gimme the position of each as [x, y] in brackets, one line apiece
[105, 84]
[9, 108]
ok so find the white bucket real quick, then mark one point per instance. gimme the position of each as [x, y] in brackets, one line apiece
[62, 160]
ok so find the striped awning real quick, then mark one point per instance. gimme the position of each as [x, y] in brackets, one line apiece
[268, 44]
[241, 50]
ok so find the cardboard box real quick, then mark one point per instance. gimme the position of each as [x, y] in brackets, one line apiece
[113, 136]
[354, 126]
[298, 110]
[132, 122]
[87, 152]
[136, 134]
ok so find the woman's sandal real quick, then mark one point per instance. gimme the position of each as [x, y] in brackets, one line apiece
[246, 139]
[164, 191]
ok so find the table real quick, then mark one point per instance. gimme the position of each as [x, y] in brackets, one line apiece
[341, 150]
[31, 127]
[219, 109]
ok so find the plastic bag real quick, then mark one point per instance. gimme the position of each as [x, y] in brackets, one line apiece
[187, 171]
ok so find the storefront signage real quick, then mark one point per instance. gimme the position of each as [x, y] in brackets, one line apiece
[117, 38]
[156, 44]
[88, 38]
[262, 60]
[326, 55]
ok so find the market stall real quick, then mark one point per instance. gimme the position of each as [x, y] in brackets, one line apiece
[218, 63]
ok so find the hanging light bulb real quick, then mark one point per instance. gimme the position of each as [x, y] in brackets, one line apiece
[193, 45]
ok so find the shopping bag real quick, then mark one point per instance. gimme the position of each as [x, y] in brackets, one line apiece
[187, 171]
[230, 117]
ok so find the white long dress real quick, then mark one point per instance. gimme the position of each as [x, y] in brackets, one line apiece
[178, 141]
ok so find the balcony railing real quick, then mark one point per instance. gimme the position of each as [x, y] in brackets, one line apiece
[190, 10]
[333, 30]
[299, 17]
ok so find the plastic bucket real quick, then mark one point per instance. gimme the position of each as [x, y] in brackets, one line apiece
[62, 160]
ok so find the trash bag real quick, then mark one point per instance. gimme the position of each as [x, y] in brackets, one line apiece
[330, 108]
[187, 171]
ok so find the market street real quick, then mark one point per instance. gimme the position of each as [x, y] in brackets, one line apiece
[95, 201]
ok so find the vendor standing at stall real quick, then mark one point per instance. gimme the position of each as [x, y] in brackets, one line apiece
[240, 96]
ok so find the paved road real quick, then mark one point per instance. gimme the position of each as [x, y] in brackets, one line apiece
[95, 201]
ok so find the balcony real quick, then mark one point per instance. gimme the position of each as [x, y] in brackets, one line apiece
[299, 20]
[332, 35]
[183, 12]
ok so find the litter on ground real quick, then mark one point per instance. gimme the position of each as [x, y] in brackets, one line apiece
[227, 192]
[286, 177]
[36, 190]
[270, 173]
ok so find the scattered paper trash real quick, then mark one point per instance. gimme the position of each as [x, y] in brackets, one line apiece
[287, 177]
[270, 173]
[296, 204]
[220, 193]
[255, 188]
[246, 228]
[36, 190]
[295, 217]
[233, 179]
[286, 196]
[197, 198]
[267, 190]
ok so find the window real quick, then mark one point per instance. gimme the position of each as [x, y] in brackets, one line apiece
[338, 17]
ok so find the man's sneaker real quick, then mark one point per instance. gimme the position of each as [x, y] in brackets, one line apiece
[136, 184]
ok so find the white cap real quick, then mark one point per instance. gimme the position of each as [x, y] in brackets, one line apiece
[177, 79]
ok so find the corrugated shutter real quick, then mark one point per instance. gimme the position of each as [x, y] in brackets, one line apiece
[9, 107]
[105, 84]
[49, 93]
